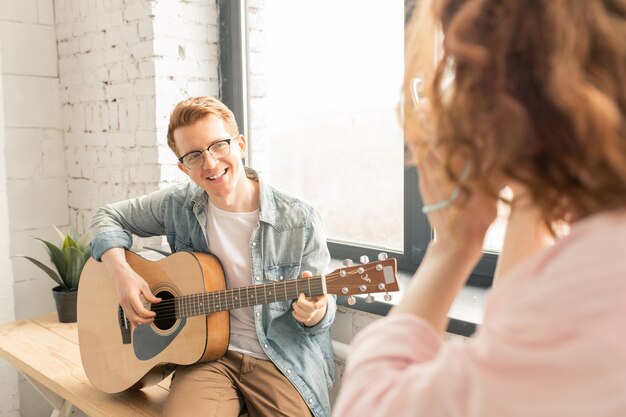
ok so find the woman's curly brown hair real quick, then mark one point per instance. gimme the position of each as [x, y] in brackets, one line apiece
[538, 95]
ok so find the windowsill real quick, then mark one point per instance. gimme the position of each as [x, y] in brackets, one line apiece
[465, 314]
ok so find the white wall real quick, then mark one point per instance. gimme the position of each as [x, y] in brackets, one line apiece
[115, 58]
[35, 171]
[83, 125]
[36, 191]
[9, 395]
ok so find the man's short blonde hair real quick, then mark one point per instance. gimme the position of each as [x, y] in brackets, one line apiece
[189, 111]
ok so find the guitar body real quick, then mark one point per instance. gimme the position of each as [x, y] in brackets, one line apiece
[192, 320]
[117, 357]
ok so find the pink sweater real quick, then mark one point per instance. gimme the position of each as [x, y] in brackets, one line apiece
[553, 343]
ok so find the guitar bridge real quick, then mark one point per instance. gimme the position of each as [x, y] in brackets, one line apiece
[124, 325]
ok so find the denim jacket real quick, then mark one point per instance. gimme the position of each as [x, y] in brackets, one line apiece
[289, 238]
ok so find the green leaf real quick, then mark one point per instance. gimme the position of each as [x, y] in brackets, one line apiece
[75, 267]
[68, 258]
[59, 232]
[57, 257]
[47, 270]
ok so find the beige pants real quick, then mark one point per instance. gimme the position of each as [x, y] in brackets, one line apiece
[230, 385]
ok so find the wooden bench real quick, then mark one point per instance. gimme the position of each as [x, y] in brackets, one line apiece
[46, 352]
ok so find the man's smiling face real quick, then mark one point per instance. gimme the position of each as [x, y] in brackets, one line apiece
[222, 178]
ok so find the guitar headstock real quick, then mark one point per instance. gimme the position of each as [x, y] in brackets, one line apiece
[366, 278]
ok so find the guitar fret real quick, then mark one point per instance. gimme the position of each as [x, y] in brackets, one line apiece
[206, 303]
[295, 288]
[211, 302]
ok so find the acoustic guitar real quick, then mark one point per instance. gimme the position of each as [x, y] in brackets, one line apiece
[192, 320]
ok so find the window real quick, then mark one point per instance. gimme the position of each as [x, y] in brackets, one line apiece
[332, 73]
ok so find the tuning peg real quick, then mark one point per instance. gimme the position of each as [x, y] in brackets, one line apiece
[351, 300]
[347, 262]
[364, 259]
[369, 299]
[382, 256]
[387, 297]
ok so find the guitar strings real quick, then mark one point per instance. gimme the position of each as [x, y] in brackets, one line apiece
[214, 306]
[189, 304]
[167, 308]
[330, 278]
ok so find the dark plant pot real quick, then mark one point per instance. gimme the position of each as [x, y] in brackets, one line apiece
[66, 304]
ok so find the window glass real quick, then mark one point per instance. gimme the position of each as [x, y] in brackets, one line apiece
[333, 78]
[333, 71]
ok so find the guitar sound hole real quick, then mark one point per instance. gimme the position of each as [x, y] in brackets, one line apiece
[166, 311]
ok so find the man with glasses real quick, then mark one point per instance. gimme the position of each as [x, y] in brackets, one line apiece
[279, 360]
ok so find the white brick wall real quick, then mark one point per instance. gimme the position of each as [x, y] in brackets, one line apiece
[115, 59]
[86, 115]
[106, 99]
[9, 394]
[36, 190]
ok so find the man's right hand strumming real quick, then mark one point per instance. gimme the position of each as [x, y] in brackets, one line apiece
[132, 289]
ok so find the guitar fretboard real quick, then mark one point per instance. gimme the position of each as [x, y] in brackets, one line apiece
[230, 299]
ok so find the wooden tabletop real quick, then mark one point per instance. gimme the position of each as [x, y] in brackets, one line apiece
[46, 351]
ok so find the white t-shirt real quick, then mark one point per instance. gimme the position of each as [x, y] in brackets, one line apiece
[228, 235]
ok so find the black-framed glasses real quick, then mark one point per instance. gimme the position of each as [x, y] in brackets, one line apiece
[218, 150]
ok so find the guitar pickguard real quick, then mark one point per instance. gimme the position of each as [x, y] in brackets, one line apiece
[147, 343]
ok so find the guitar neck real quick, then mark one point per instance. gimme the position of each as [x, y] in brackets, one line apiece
[230, 299]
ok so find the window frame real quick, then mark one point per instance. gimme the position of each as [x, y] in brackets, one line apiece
[417, 231]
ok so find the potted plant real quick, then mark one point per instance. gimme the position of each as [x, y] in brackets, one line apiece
[68, 258]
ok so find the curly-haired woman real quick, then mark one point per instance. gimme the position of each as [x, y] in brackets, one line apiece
[530, 95]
